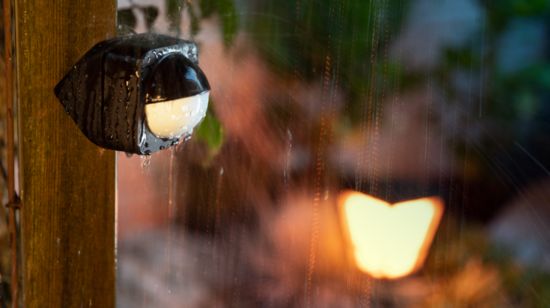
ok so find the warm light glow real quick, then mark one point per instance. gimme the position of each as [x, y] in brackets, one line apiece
[175, 118]
[389, 241]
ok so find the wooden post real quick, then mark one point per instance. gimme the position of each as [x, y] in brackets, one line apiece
[67, 183]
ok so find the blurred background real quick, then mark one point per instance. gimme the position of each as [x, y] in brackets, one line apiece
[395, 99]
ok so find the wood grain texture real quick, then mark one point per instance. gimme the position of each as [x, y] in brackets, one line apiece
[68, 184]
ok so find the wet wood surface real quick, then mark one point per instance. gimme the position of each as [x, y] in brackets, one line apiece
[68, 183]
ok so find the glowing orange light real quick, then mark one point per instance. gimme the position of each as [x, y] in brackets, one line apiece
[389, 241]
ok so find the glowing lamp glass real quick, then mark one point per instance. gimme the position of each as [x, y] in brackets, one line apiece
[389, 241]
[175, 118]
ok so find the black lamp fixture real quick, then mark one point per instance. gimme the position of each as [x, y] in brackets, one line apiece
[138, 94]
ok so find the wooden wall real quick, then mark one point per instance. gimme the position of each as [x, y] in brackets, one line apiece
[68, 184]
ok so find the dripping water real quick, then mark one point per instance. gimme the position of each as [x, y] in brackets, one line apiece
[171, 184]
[178, 147]
[288, 158]
[145, 162]
[171, 211]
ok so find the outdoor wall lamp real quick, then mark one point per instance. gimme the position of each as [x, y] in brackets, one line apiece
[138, 94]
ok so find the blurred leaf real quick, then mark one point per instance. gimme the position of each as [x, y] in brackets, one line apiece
[208, 7]
[346, 40]
[228, 16]
[151, 13]
[526, 104]
[229, 20]
[174, 8]
[520, 7]
[126, 18]
[211, 133]
[501, 12]
[195, 27]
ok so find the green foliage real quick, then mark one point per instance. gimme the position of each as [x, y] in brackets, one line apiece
[151, 13]
[518, 94]
[500, 12]
[452, 252]
[346, 44]
[510, 100]
[521, 89]
[343, 42]
[211, 133]
[173, 10]
[302, 36]
[224, 8]
[228, 16]
[126, 18]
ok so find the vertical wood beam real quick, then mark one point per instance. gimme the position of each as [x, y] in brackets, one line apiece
[67, 183]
